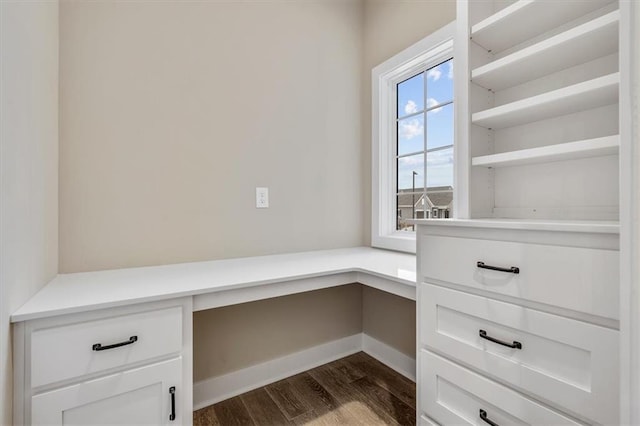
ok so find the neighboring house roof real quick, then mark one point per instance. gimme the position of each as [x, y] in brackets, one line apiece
[437, 196]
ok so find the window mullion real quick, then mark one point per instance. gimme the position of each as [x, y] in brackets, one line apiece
[426, 153]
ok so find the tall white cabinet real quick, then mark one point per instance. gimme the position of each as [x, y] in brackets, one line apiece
[519, 295]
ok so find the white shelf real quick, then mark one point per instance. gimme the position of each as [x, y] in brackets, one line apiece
[594, 39]
[526, 19]
[566, 151]
[578, 97]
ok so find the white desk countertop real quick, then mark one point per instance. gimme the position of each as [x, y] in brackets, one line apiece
[86, 291]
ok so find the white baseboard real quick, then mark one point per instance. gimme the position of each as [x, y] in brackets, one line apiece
[216, 389]
[389, 356]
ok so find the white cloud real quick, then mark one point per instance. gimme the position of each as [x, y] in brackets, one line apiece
[410, 107]
[434, 73]
[431, 102]
[411, 128]
[450, 73]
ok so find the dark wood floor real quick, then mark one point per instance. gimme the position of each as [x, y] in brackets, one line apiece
[356, 390]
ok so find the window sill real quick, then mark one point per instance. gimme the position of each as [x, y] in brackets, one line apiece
[403, 241]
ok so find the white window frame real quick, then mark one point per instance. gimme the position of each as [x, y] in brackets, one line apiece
[428, 52]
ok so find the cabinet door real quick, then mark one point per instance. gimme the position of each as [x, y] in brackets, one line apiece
[134, 397]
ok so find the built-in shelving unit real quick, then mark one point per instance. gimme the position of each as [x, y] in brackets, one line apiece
[543, 141]
[542, 86]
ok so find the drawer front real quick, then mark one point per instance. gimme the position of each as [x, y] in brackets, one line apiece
[65, 352]
[454, 395]
[580, 279]
[570, 364]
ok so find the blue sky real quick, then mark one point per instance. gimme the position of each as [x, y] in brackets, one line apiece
[439, 125]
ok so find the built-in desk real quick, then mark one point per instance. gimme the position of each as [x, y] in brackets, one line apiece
[80, 306]
[224, 282]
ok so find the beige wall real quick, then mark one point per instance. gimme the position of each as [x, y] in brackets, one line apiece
[171, 113]
[236, 337]
[391, 26]
[390, 319]
[28, 164]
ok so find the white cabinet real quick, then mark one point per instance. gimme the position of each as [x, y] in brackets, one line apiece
[119, 366]
[519, 323]
[140, 396]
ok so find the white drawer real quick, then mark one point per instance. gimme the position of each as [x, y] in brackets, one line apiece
[570, 364]
[576, 278]
[65, 352]
[453, 395]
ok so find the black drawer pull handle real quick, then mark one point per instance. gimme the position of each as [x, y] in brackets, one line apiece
[513, 269]
[514, 345]
[99, 347]
[483, 416]
[172, 392]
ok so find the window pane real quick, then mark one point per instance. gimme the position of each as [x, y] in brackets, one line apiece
[406, 168]
[411, 95]
[440, 169]
[440, 84]
[440, 127]
[410, 205]
[411, 135]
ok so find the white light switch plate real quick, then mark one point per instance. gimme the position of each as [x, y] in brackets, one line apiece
[262, 198]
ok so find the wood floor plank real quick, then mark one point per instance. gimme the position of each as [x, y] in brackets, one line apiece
[349, 370]
[205, 417]
[232, 412]
[310, 418]
[262, 409]
[286, 399]
[325, 406]
[385, 400]
[351, 397]
[385, 377]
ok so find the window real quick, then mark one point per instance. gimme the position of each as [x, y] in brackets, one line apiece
[413, 140]
[424, 145]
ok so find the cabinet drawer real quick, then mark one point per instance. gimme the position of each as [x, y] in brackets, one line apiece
[65, 352]
[580, 279]
[568, 363]
[452, 395]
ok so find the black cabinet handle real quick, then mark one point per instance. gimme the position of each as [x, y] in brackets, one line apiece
[483, 416]
[172, 392]
[514, 345]
[513, 269]
[99, 347]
